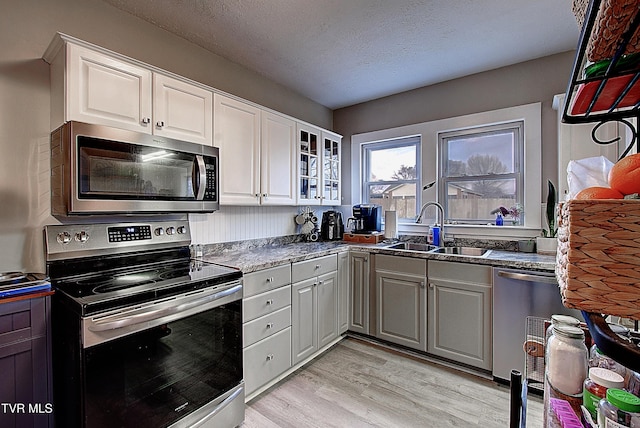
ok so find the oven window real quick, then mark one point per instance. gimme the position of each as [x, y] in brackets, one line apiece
[158, 376]
[114, 170]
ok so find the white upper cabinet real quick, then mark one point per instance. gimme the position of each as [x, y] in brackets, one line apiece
[237, 135]
[278, 155]
[318, 180]
[107, 91]
[103, 88]
[257, 154]
[181, 110]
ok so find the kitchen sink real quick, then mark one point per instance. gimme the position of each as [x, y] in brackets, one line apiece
[412, 246]
[461, 251]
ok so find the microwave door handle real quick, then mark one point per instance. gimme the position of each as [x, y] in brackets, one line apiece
[200, 177]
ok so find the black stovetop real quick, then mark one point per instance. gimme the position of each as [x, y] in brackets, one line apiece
[99, 284]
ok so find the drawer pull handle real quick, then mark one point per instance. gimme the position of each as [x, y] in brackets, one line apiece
[270, 357]
[317, 266]
[270, 279]
[270, 302]
[270, 325]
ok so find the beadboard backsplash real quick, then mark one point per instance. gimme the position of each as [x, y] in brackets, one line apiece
[239, 223]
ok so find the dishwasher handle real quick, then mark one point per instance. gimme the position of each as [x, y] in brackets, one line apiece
[546, 279]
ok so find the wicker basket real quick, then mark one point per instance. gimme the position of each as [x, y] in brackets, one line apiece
[614, 18]
[598, 259]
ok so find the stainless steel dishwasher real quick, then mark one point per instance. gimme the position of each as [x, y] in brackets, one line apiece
[518, 294]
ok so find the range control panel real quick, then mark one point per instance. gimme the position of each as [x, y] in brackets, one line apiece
[114, 237]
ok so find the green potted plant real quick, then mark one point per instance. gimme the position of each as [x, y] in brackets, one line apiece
[548, 242]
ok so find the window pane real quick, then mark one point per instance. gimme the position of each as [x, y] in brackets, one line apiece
[474, 200]
[397, 163]
[481, 154]
[400, 198]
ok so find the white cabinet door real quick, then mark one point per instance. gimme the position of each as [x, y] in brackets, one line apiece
[401, 300]
[182, 111]
[330, 179]
[304, 339]
[460, 313]
[107, 91]
[327, 300]
[343, 292]
[237, 134]
[278, 160]
[359, 292]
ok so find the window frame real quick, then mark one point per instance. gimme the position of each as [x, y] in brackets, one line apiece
[531, 114]
[406, 141]
[479, 130]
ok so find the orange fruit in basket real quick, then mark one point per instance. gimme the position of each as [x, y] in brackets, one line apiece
[599, 193]
[625, 175]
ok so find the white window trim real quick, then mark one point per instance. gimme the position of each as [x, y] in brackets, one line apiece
[428, 131]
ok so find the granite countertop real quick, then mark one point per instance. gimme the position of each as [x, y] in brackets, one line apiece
[263, 257]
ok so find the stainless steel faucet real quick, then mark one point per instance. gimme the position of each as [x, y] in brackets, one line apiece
[437, 205]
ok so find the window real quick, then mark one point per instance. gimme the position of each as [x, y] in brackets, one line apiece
[481, 170]
[391, 175]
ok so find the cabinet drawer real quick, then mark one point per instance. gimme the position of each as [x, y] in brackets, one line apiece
[264, 303]
[265, 360]
[265, 280]
[314, 267]
[265, 326]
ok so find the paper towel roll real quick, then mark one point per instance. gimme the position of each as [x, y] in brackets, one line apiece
[390, 224]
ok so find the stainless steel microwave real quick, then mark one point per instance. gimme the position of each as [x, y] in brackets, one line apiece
[102, 170]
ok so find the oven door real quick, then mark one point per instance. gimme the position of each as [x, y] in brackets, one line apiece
[156, 365]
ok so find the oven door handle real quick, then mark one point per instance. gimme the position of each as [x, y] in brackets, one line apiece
[124, 320]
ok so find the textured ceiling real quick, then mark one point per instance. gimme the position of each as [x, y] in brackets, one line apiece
[343, 52]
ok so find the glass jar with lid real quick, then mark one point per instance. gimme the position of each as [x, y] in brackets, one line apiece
[566, 364]
[619, 409]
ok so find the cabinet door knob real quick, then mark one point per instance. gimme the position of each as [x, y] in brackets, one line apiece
[160, 124]
[146, 120]
[270, 279]
[317, 266]
[270, 302]
[270, 357]
[270, 325]
[422, 284]
[320, 282]
[431, 285]
[264, 195]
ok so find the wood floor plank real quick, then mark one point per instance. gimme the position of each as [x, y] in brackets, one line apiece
[357, 384]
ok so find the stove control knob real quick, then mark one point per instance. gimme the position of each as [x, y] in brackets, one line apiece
[64, 237]
[82, 236]
[181, 230]
[159, 231]
[171, 230]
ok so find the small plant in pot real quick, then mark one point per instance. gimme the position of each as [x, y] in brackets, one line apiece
[548, 242]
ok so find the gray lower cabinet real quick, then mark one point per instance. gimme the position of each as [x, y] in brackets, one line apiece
[343, 292]
[314, 306]
[25, 363]
[401, 300]
[266, 328]
[460, 312]
[359, 292]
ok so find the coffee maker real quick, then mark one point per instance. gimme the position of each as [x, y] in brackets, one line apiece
[331, 228]
[367, 218]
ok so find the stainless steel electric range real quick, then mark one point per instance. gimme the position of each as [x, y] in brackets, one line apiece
[143, 335]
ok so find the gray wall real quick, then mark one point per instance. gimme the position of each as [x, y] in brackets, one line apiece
[26, 29]
[533, 81]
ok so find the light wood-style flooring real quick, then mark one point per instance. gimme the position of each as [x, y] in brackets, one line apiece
[358, 384]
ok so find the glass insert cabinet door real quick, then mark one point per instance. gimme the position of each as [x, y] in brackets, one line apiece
[319, 167]
[330, 169]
